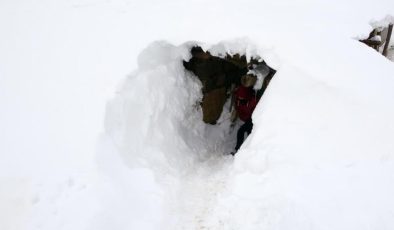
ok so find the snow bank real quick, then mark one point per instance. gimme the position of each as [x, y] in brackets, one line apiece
[155, 124]
[326, 166]
[320, 156]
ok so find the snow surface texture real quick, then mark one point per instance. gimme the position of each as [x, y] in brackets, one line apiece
[320, 155]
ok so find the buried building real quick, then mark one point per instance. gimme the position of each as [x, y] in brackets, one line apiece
[220, 76]
[379, 39]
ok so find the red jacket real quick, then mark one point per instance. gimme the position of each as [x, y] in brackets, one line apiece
[245, 102]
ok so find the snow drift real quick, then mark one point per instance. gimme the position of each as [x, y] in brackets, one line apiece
[155, 122]
[320, 155]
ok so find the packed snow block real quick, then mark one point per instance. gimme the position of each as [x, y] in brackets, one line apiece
[212, 105]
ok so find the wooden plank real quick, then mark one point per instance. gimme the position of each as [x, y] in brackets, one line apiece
[386, 45]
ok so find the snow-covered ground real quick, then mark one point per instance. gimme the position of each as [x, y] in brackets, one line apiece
[84, 147]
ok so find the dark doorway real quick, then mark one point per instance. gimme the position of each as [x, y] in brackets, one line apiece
[220, 76]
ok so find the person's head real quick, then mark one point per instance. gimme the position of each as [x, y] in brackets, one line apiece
[248, 80]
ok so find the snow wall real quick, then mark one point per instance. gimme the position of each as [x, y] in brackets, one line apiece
[320, 155]
[155, 123]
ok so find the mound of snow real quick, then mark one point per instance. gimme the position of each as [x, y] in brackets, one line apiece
[320, 154]
[155, 124]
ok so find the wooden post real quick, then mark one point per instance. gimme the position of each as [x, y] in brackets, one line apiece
[386, 45]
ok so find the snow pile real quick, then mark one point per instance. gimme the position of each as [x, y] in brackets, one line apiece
[327, 166]
[320, 155]
[155, 123]
[156, 117]
[380, 24]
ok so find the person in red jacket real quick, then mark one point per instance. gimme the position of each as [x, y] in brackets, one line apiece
[245, 103]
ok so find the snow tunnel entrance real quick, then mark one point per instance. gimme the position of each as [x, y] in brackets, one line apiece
[221, 76]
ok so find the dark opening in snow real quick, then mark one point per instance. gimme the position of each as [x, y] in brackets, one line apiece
[221, 76]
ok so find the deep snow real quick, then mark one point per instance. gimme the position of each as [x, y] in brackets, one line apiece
[320, 156]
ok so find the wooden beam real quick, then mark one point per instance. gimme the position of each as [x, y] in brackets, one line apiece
[386, 45]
